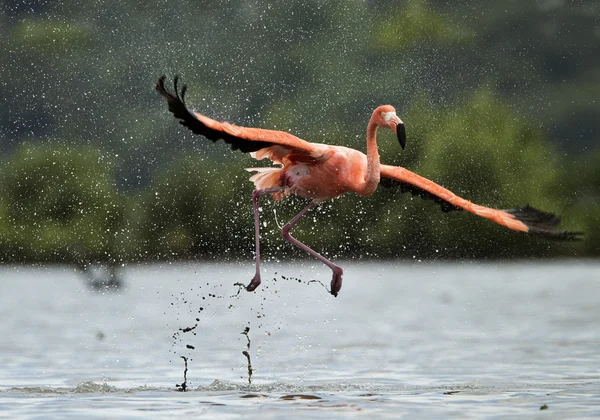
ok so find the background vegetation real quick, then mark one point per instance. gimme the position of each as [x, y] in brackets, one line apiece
[500, 102]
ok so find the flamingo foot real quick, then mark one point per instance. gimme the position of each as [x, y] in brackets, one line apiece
[336, 280]
[254, 283]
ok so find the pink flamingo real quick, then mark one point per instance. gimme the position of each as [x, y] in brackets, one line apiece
[320, 172]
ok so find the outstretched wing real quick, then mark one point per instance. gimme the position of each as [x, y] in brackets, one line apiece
[244, 139]
[526, 219]
[414, 190]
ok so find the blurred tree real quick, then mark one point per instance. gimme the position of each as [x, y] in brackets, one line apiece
[459, 74]
[59, 204]
[197, 208]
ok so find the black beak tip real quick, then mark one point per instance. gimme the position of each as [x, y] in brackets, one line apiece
[401, 133]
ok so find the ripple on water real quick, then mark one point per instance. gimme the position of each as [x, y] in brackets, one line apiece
[512, 338]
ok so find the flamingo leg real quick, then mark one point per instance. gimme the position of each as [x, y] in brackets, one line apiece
[336, 280]
[256, 194]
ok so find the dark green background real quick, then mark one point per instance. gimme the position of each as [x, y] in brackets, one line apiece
[501, 101]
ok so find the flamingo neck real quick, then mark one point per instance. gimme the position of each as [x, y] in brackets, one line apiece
[373, 166]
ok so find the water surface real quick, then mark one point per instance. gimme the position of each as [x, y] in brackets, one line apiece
[424, 339]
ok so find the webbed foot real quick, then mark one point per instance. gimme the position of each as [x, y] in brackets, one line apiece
[336, 281]
[254, 283]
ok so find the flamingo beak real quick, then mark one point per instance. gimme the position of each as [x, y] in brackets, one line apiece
[401, 133]
[397, 125]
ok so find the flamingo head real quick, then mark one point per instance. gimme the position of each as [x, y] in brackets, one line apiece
[385, 116]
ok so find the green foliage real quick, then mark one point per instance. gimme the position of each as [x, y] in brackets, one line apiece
[486, 93]
[484, 152]
[59, 203]
[414, 24]
[52, 34]
[192, 206]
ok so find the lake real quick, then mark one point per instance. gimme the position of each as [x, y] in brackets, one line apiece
[401, 339]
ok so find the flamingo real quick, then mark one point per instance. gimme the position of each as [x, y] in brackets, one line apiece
[319, 172]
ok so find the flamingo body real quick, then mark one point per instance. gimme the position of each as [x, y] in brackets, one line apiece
[304, 174]
[320, 172]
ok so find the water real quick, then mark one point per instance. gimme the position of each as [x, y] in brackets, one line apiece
[402, 339]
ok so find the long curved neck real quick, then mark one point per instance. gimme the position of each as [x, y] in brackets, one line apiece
[373, 164]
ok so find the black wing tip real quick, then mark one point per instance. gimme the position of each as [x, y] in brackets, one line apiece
[160, 88]
[529, 214]
[176, 100]
[177, 106]
[542, 224]
[160, 85]
[557, 235]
